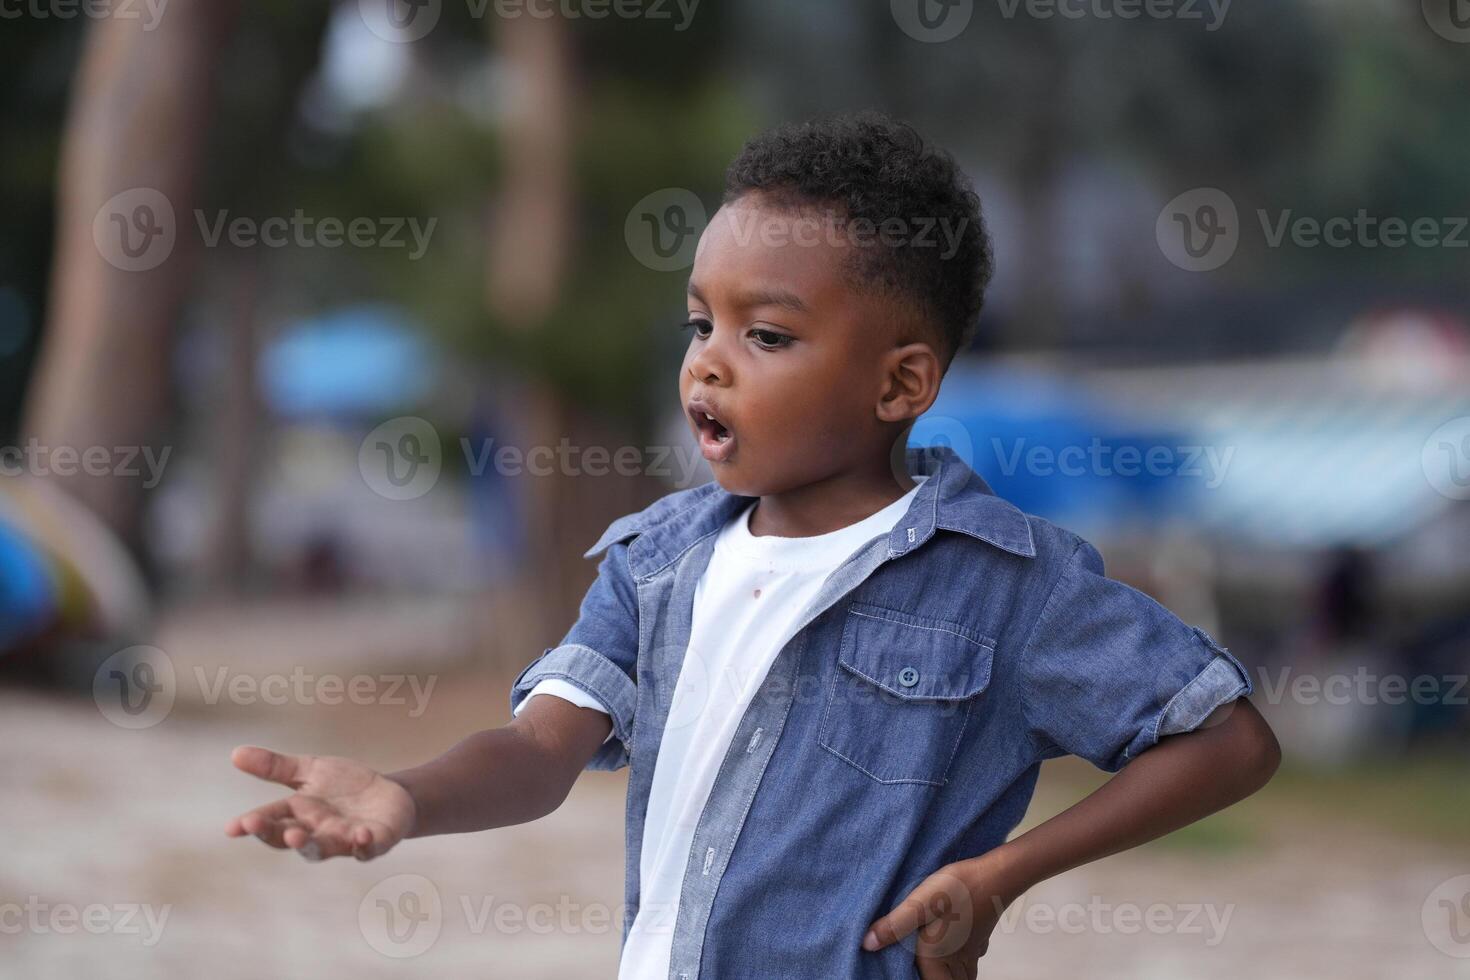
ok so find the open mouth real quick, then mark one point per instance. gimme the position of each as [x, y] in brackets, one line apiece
[716, 441]
[711, 426]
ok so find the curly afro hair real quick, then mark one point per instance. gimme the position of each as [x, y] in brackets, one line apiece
[877, 173]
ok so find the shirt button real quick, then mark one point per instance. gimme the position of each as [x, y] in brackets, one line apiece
[908, 677]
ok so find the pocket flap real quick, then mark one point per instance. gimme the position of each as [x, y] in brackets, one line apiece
[915, 657]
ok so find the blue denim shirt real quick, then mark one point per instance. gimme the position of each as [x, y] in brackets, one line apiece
[901, 729]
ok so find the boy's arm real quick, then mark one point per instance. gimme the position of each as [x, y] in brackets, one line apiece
[508, 775]
[1183, 778]
[493, 778]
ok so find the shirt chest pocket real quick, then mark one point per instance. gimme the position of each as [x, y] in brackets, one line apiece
[902, 692]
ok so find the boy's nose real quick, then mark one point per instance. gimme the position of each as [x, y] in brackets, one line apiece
[708, 367]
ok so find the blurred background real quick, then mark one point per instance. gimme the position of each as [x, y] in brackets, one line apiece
[331, 334]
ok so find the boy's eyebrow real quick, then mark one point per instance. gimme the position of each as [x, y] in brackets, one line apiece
[759, 296]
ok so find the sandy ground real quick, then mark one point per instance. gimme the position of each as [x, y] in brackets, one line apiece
[113, 863]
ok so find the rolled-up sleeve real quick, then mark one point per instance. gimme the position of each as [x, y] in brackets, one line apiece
[1108, 671]
[557, 687]
[599, 655]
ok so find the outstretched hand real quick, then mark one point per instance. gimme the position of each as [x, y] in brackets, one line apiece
[339, 806]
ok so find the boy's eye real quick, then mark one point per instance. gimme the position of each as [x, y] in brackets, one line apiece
[770, 338]
[701, 327]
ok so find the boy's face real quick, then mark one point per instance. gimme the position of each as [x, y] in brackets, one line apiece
[791, 360]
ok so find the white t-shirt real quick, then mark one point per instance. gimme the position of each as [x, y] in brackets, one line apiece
[747, 605]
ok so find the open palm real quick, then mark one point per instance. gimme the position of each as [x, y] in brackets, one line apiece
[340, 806]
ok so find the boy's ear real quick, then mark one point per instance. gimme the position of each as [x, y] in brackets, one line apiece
[911, 375]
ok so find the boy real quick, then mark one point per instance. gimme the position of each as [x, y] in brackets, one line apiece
[835, 670]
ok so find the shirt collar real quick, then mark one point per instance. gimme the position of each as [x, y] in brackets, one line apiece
[954, 498]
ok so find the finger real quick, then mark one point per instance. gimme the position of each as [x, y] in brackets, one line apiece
[375, 839]
[910, 914]
[364, 847]
[261, 820]
[237, 827]
[277, 767]
[329, 838]
[275, 832]
[297, 836]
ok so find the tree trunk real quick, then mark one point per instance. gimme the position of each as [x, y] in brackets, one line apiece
[131, 154]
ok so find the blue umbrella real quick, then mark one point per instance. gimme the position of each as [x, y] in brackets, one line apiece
[1055, 451]
[354, 362]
